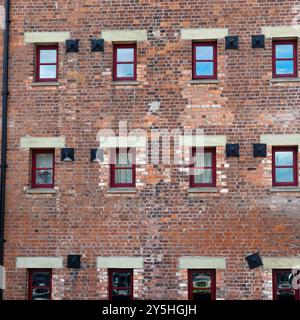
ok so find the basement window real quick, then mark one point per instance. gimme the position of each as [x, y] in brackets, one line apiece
[285, 62]
[47, 64]
[284, 166]
[202, 285]
[203, 167]
[124, 62]
[122, 168]
[283, 286]
[204, 60]
[42, 174]
[40, 284]
[121, 284]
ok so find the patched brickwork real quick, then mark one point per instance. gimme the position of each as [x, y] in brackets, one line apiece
[162, 221]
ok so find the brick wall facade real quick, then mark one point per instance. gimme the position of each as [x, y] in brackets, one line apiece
[161, 221]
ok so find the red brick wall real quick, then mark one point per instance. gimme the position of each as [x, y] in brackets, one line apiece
[162, 221]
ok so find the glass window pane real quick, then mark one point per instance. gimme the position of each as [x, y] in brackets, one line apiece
[123, 176]
[204, 68]
[123, 295]
[41, 279]
[41, 294]
[44, 160]
[201, 286]
[125, 54]
[284, 158]
[44, 177]
[285, 67]
[125, 71]
[284, 289]
[124, 159]
[48, 56]
[203, 159]
[204, 53]
[208, 159]
[284, 175]
[284, 51]
[48, 72]
[121, 279]
[203, 176]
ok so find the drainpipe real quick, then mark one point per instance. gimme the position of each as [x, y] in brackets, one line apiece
[4, 131]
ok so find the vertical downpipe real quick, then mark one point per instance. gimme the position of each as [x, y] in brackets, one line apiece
[4, 130]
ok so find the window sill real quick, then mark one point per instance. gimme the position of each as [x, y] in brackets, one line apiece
[284, 80]
[40, 191]
[205, 81]
[121, 190]
[202, 190]
[45, 84]
[285, 189]
[125, 83]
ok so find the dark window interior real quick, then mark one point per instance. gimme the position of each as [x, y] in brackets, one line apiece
[121, 285]
[202, 285]
[40, 284]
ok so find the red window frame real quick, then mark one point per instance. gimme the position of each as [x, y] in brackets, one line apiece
[30, 286]
[294, 166]
[213, 167]
[115, 61]
[113, 169]
[274, 279]
[38, 63]
[190, 282]
[295, 58]
[35, 152]
[110, 284]
[214, 60]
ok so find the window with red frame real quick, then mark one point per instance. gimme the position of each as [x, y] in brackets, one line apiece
[121, 284]
[202, 285]
[40, 284]
[124, 62]
[47, 63]
[205, 60]
[122, 169]
[203, 167]
[283, 285]
[285, 61]
[285, 166]
[42, 168]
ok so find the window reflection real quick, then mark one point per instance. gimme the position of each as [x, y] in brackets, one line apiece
[284, 51]
[285, 58]
[121, 285]
[285, 166]
[283, 285]
[39, 285]
[204, 167]
[47, 64]
[124, 62]
[202, 285]
[204, 60]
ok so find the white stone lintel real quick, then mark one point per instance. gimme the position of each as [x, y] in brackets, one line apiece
[281, 262]
[124, 35]
[39, 262]
[42, 142]
[280, 139]
[291, 31]
[202, 263]
[204, 33]
[122, 142]
[46, 37]
[120, 262]
[203, 140]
